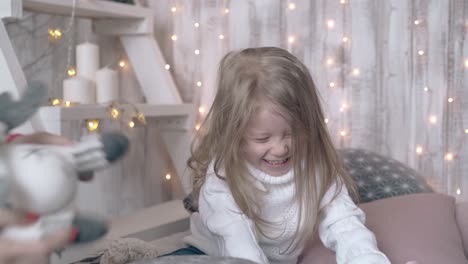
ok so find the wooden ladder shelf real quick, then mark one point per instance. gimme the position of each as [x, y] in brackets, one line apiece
[134, 27]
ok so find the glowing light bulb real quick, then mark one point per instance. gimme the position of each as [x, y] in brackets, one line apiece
[466, 63]
[332, 84]
[173, 9]
[466, 130]
[122, 64]
[421, 52]
[92, 125]
[197, 127]
[196, 24]
[58, 33]
[345, 39]
[458, 191]
[55, 102]
[343, 133]
[226, 11]
[168, 176]
[141, 117]
[433, 119]
[331, 23]
[329, 61]
[201, 110]
[356, 71]
[342, 2]
[344, 105]
[292, 6]
[174, 37]
[115, 113]
[131, 124]
[71, 71]
[199, 83]
[67, 103]
[197, 52]
[167, 66]
[54, 34]
[450, 99]
[291, 39]
[419, 150]
[417, 22]
[449, 156]
[221, 36]
[426, 89]
[327, 120]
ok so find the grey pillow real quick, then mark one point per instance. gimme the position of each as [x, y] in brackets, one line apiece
[194, 260]
[378, 177]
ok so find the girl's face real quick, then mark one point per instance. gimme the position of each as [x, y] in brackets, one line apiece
[268, 140]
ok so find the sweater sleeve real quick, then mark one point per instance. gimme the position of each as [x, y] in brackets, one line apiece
[342, 229]
[234, 232]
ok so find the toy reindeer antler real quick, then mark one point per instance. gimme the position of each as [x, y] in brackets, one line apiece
[14, 113]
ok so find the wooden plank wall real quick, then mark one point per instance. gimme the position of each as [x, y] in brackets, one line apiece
[388, 110]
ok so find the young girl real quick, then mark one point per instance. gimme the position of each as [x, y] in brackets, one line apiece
[266, 174]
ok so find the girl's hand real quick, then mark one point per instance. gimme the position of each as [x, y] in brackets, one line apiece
[12, 251]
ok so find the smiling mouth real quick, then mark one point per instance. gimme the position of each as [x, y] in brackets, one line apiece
[277, 163]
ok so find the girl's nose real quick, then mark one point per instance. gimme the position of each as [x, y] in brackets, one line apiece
[280, 148]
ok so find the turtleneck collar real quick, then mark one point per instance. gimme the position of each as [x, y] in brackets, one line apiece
[268, 179]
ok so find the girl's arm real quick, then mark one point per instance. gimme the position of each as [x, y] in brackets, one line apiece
[234, 233]
[342, 229]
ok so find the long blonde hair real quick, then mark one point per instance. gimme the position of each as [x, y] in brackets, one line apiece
[276, 75]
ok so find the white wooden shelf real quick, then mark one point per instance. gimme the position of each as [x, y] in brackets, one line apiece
[81, 112]
[87, 8]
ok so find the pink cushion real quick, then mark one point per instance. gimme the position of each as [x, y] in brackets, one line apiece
[462, 219]
[417, 227]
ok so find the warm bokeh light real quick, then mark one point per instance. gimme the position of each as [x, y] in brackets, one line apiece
[92, 125]
[419, 150]
[71, 71]
[449, 156]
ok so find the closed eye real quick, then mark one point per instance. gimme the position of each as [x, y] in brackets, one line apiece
[261, 140]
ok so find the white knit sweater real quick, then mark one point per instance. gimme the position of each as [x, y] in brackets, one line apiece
[221, 229]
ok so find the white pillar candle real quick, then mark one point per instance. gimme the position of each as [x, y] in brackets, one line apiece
[79, 90]
[87, 60]
[107, 86]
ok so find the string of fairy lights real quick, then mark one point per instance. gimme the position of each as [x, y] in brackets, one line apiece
[420, 150]
[116, 111]
[451, 153]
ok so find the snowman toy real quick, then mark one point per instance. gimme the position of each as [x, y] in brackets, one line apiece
[43, 179]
